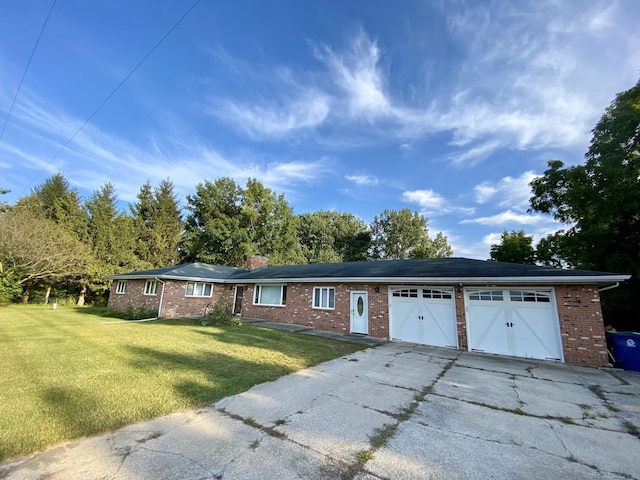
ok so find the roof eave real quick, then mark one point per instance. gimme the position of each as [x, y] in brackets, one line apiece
[597, 279]
[165, 277]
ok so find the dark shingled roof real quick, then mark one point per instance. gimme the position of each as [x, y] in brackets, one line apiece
[187, 270]
[427, 268]
[433, 269]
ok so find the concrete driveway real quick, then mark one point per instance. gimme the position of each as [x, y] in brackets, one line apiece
[396, 411]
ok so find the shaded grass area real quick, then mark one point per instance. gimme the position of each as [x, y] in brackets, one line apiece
[66, 374]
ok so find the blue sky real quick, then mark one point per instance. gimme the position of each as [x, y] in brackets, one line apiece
[449, 108]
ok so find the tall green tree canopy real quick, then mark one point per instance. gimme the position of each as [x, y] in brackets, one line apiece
[158, 224]
[56, 200]
[399, 234]
[600, 202]
[330, 236]
[111, 237]
[514, 247]
[227, 222]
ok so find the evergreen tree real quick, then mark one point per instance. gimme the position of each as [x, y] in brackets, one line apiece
[111, 236]
[158, 224]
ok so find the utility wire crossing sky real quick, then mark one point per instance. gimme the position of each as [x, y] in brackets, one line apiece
[446, 108]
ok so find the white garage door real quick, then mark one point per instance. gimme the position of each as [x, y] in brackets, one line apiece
[519, 322]
[423, 315]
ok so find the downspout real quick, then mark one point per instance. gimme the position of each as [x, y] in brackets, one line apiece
[610, 287]
[161, 296]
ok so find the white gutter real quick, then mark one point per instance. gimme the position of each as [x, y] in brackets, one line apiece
[161, 297]
[610, 287]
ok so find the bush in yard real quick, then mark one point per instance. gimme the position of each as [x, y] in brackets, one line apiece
[10, 289]
[139, 312]
[219, 315]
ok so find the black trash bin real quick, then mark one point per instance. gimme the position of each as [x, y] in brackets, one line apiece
[626, 349]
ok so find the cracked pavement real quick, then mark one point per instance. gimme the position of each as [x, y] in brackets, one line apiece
[396, 411]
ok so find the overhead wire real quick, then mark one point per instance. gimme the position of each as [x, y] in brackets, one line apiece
[113, 92]
[26, 69]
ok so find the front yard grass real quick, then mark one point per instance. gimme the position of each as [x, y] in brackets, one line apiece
[66, 374]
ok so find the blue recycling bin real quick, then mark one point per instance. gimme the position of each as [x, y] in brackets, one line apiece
[626, 349]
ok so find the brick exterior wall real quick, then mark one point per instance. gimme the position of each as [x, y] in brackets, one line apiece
[133, 296]
[174, 302]
[579, 311]
[581, 325]
[299, 308]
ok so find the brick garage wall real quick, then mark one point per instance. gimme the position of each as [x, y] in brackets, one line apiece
[461, 319]
[174, 302]
[133, 296]
[581, 325]
[299, 309]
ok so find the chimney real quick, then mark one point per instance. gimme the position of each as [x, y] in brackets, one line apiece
[256, 261]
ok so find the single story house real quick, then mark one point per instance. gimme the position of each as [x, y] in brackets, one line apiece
[486, 306]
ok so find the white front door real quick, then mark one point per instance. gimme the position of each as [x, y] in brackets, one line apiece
[359, 312]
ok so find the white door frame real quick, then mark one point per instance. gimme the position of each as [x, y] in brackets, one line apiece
[353, 295]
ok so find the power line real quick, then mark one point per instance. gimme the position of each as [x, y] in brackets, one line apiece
[113, 92]
[24, 74]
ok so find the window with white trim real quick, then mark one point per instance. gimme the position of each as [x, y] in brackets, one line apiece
[121, 286]
[324, 297]
[198, 289]
[274, 295]
[150, 287]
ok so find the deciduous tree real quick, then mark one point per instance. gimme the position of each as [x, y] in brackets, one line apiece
[398, 234]
[600, 203]
[35, 249]
[228, 222]
[514, 247]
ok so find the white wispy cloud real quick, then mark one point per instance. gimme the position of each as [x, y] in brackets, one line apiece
[433, 203]
[530, 79]
[547, 83]
[357, 73]
[268, 120]
[362, 179]
[95, 157]
[509, 218]
[507, 192]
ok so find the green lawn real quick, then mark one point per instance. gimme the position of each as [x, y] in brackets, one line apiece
[66, 373]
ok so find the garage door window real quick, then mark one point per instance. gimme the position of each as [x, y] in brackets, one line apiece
[528, 296]
[406, 293]
[487, 295]
[426, 293]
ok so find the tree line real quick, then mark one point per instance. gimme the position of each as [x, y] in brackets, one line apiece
[53, 242]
